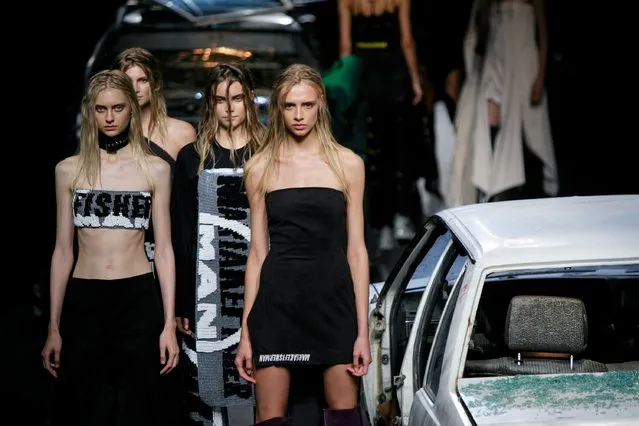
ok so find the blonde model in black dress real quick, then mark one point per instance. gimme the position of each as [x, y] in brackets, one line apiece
[306, 296]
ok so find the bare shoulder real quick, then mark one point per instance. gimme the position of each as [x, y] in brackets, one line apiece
[180, 132]
[159, 167]
[352, 163]
[66, 168]
[256, 164]
[179, 127]
[254, 169]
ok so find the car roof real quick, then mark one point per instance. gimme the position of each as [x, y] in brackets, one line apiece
[562, 229]
[176, 15]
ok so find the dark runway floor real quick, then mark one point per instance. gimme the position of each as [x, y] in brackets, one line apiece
[27, 389]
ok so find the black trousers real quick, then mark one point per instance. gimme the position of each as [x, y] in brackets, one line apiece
[393, 155]
[393, 135]
[109, 371]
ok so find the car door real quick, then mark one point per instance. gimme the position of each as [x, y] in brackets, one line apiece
[431, 355]
[392, 317]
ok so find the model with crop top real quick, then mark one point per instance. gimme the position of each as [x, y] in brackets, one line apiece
[115, 336]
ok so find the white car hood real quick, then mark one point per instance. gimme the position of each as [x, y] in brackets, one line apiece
[560, 399]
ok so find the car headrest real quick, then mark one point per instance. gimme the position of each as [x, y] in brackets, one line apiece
[546, 324]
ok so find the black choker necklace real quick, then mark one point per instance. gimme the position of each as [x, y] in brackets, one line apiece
[112, 144]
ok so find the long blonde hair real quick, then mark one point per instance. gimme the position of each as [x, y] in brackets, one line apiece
[88, 148]
[138, 56]
[277, 133]
[208, 125]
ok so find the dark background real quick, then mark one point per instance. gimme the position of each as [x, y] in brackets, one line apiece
[592, 106]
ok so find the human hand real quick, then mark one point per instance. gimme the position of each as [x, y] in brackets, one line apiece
[52, 349]
[168, 346]
[244, 360]
[361, 357]
[537, 91]
[182, 325]
[418, 92]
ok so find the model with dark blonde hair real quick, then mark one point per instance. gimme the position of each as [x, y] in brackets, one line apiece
[118, 333]
[211, 235]
[306, 288]
[165, 135]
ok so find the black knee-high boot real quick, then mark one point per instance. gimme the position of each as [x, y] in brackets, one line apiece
[276, 421]
[345, 417]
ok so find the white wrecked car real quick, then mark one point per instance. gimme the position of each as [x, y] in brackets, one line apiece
[520, 312]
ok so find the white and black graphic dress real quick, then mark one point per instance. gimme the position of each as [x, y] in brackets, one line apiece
[210, 222]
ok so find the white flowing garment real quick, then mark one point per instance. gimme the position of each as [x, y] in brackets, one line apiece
[510, 68]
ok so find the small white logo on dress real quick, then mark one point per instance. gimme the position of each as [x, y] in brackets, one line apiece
[285, 358]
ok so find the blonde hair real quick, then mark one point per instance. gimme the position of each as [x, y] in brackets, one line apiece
[277, 132]
[208, 125]
[138, 56]
[88, 149]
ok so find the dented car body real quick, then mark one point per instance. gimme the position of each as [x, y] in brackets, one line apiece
[519, 312]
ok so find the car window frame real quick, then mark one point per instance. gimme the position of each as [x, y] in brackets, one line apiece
[407, 267]
[446, 262]
[446, 321]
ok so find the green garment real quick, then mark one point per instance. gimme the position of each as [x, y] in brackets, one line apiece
[342, 82]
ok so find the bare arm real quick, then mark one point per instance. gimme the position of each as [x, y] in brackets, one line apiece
[542, 31]
[259, 244]
[62, 258]
[407, 40]
[164, 256]
[356, 252]
[453, 83]
[344, 13]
